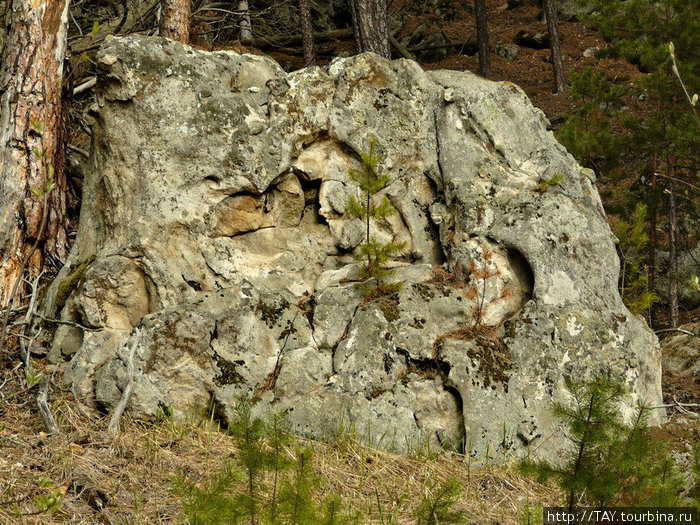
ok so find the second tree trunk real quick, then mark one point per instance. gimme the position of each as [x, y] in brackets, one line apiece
[369, 21]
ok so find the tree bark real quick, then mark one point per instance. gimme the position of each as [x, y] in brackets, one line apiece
[175, 20]
[307, 32]
[369, 21]
[32, 151]
[550, 12]
[482, 36]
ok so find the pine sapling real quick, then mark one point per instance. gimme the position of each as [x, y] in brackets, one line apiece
[375, 254]
[248, 433]
[213, 503]
[437, 506]
[611, 463]
[296, 501]
[592, 422]
[278, 439]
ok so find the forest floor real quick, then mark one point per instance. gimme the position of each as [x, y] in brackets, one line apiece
[85, 476]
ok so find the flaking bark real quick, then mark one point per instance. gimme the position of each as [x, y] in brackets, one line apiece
[175, 20]
[307, 32]
[31, 141]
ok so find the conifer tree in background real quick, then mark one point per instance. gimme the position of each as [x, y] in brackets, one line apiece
[307, 32]
[550, 12]
[482, 36]
[659, 145]
[370, 24]
[175, 20]
[634, 242]
[375, 253]
[246, 31]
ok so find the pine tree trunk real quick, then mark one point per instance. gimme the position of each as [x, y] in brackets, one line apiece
[482, 36]
[550, 12]
[175, 20]
[369, 21]
[651, 261]
[245, 25]
[31, 144]
[307, 32]
[672, 248]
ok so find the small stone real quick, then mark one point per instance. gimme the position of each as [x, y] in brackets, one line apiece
[591, 51]
[109, 59]
[507, 50]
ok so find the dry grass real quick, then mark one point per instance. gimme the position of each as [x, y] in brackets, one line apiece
[127, 479]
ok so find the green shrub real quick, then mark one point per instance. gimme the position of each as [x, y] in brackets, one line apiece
[437, 506]
[610, 463]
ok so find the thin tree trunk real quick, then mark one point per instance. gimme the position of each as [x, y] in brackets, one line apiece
[175, 20]
[307, 32]
[245, 25]
[651, 261]
[550, 12]
[369, 21]
[32, 183]
[482, 36]
[672, 247]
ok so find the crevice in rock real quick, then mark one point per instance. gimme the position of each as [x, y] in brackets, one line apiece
[343, 337]
[192, 284]
[311, 189]
[524, 271]
[427, 368]
[430, 369]
[462, 444]
[217, 412]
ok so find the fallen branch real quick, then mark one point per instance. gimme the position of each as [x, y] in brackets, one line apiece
[88, 84]
[113, 427]
[682, 407]
[679, 330]
[43, 406]
[401, 50]
[336, 34]
[79, 151]
[69, 323]
[470, 46]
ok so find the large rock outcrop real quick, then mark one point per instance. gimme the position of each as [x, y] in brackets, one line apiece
[214, 220]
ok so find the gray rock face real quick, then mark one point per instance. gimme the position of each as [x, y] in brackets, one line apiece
[214, 218]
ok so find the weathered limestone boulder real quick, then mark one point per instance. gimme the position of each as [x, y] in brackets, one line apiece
[215, 221]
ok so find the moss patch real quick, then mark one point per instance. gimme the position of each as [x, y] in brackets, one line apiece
[490, 352]
[494, 361]
[67, 285]
[271, 313]
[228, 375]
